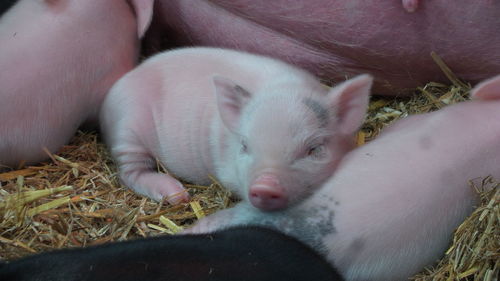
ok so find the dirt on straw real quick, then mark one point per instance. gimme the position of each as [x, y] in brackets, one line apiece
[76, 200]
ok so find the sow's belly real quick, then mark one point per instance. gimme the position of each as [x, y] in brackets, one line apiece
[336, 39]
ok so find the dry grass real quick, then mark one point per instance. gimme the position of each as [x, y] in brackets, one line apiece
[475, 251]
[76, 200]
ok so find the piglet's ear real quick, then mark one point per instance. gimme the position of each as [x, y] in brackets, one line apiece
[143, 13]
[487, 90]
[349, 101]
[231, 98]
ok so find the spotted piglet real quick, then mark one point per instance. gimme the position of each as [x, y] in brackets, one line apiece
[393, 204]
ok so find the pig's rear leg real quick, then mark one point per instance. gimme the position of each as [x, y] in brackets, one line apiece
[137, 171]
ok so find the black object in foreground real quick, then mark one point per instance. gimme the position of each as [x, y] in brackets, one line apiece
[236, 254]
[5, 5]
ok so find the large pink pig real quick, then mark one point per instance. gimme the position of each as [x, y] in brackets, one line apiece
[58, 59]
[392, 205]
[340, 38]
[266, 130]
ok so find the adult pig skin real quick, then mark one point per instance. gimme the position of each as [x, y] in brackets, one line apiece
[244, 254]
[393, 204]
[340, 38]
[268, 131]
[58, 59]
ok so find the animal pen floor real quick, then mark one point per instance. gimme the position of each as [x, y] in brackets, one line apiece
[75, 199]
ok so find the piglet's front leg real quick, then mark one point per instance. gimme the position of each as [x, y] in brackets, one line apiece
[219, 220]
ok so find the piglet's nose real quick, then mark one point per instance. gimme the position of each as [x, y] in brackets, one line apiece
[267, 194]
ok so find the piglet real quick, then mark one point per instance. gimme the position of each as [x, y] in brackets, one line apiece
[58, 59]
[268, 131]
[243, 253]
[393, 204]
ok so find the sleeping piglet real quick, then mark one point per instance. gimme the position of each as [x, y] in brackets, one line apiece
[242, 253]
[58, 59]
[393, 204]
[266, 130]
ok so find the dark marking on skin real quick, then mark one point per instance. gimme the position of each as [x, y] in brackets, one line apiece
[354, 249]
[333, 200]
[318, 109]
[357, 245]
[240, 90]
[297, 223]
[425, 142]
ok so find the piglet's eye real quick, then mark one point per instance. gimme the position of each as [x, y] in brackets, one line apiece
[315, 151]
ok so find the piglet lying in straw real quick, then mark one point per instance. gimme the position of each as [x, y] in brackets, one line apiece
[243, 253]
[393, 204]
[267, 130]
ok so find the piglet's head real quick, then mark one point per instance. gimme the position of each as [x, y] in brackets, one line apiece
[287, 138]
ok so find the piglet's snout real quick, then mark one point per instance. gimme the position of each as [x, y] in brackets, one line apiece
[267, 194]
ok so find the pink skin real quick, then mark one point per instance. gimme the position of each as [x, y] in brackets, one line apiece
[58, 60]
[393, 204]
[266, 193]
[268, 131]
[410, 5]
[336, 39]
[486, 90]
